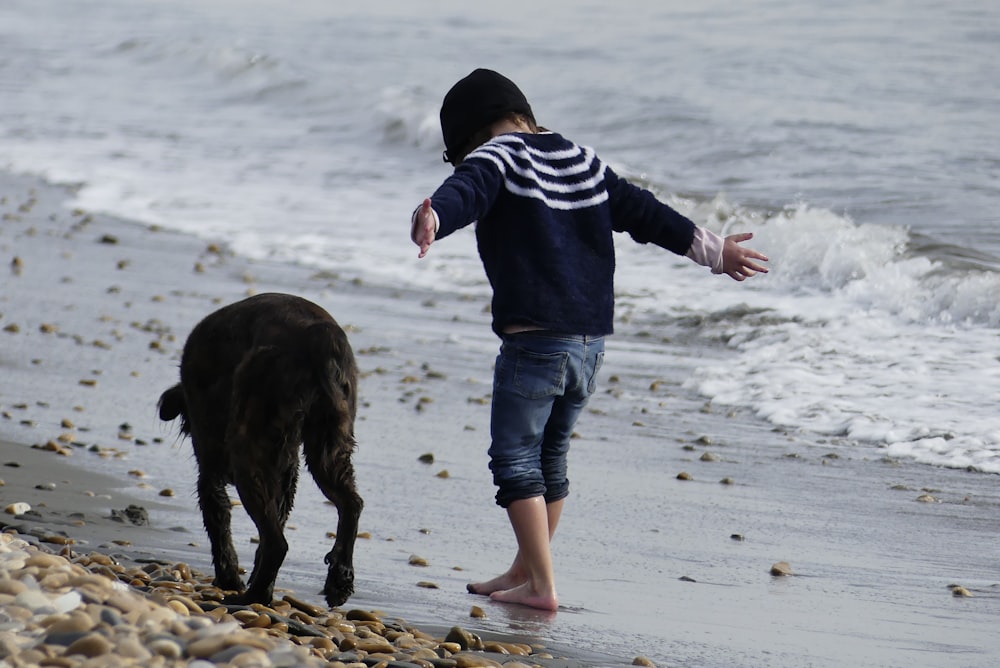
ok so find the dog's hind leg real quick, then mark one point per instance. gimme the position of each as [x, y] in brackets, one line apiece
[334, 474]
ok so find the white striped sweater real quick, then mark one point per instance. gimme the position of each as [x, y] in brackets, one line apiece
[546, 209]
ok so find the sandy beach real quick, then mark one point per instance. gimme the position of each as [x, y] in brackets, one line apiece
[890, 563]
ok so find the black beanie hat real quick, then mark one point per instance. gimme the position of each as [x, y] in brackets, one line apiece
[475, 102]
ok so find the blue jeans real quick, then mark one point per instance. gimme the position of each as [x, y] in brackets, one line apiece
[541, 383]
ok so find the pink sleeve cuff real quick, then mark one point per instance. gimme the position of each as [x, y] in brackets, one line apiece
[706, 249]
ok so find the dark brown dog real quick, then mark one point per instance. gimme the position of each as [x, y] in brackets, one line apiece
[258, 378]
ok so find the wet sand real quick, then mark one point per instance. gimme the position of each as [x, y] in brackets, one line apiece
[93, 315]
[653, 563]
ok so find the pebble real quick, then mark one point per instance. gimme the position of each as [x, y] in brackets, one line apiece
[85, 609]
[90, 645]
[781, 568]
[18, 508]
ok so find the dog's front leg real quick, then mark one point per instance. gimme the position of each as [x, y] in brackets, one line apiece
[262, 498]
[216, 512]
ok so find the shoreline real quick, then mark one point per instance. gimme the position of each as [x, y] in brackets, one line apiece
[92, 318]
[69, 505]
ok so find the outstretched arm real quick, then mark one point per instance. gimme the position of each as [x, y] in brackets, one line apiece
[424, 226]
[738, 261]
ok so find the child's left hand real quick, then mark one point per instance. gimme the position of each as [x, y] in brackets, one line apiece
[738, 261]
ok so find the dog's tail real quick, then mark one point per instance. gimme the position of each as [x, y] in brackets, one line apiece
[337, 374]
[172, 405]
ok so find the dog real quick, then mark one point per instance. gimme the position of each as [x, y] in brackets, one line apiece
[259, 377]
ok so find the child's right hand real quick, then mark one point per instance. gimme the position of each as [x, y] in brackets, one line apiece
[424, 227]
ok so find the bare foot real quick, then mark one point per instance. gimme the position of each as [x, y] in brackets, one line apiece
[499, 583]
[524, 594]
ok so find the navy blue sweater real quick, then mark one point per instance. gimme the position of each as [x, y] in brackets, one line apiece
[546, 209]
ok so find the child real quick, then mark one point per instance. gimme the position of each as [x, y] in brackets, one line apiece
[546, 209]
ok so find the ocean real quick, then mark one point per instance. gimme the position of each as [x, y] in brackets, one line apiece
[858, 141]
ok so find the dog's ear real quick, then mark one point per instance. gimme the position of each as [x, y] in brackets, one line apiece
[171, 403]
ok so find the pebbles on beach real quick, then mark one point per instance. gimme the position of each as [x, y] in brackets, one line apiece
[71, 609]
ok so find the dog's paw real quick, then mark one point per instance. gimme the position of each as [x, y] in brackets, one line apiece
[229, 583]
[339, 585]
[338, 598]
[250, 596]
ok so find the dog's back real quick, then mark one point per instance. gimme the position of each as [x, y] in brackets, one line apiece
[268, 357]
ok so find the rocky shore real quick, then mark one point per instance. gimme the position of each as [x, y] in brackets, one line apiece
[71, 609]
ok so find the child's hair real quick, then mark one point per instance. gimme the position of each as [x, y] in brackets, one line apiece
[485, 133]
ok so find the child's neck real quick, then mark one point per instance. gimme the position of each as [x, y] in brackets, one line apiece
[506, 126]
